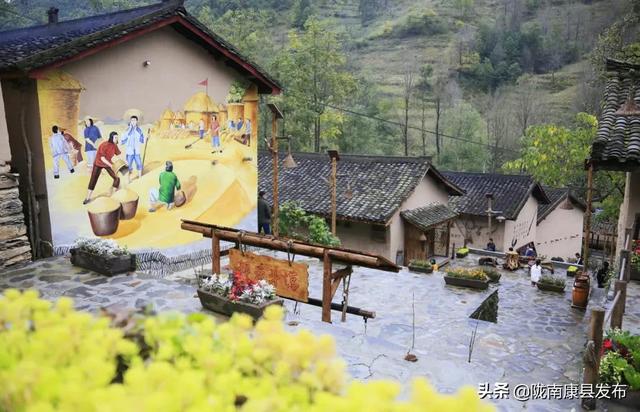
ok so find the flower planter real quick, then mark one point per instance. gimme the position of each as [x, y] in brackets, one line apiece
[228, 307]
[467, 283]
[420, 269]
[462, 254]
[106, 265]
[550, 288]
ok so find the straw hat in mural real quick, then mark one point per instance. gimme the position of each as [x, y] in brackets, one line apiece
[133, 112]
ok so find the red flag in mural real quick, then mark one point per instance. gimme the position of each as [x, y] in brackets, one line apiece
[205, 82]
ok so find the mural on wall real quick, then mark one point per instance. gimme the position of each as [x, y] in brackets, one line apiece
[133, 178]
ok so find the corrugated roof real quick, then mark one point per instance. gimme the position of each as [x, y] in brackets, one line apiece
[428, 216]
[510, 193]
[379, 184]
[617, 143]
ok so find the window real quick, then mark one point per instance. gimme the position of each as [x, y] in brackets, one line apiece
[379, 233]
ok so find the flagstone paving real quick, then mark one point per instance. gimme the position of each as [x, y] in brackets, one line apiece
[538, 337]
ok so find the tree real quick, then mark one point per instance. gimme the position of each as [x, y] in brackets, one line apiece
[313, 70]
[465, 122]
[544, 145]
[527, 106]
[499, 128]
[301, 12]
[407, 92]
[423, 87]
[465, 7]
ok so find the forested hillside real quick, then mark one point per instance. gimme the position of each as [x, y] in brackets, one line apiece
[473, 83]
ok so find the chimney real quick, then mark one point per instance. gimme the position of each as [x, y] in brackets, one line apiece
[53, 15]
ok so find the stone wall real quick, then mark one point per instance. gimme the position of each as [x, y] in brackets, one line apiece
[14, 243]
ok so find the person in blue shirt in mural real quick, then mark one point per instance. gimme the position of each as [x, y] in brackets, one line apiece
[91, 137]
[133, 139]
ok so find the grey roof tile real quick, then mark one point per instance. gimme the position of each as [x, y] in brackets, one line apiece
[428, 216]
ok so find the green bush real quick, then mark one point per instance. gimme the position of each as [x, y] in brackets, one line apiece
[552, 280]
[293, 219]
[492, 274]
[421, 263]
[427, 22]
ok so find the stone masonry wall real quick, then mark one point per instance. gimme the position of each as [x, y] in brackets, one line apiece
[14, 243]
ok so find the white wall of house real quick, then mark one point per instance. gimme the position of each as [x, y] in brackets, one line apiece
[522, 230]
[477, 227]
[560, 233]
[358, 236]
[427, 191]
[630, 207]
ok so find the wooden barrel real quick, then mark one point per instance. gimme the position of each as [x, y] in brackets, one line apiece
[580, 293]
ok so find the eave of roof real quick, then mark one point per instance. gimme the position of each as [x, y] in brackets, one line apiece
[556, 202]
[159, 15]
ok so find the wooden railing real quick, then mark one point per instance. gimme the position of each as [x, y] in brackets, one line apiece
[600, 317]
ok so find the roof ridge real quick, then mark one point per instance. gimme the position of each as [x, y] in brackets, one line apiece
[167, 5]
[487, 174]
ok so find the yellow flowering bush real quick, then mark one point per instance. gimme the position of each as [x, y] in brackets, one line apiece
[54, 358]
[474, 274]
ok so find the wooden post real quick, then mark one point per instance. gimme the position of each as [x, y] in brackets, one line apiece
[334, 166]
[592, 360]
[215, 253]
[625, 256]
[618, 309]
[587, 229]
[326, 287]
[275, 220]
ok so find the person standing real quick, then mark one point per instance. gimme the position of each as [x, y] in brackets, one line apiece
[579, 260]
[74, 147]
[91, 137]
[536, 272]
[59, 150]
[104, 161]
[201, 129]
[169, 183]
[601, 276]
[133, 139]
[215, 134]
[264, 214]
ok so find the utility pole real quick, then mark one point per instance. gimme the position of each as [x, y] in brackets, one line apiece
[333, 154]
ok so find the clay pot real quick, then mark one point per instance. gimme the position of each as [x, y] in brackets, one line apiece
[129, 201]
[104, 216]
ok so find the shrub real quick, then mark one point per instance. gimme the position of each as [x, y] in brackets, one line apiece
[56, 358]
[473, 274]
[552, 280]
[620, 363]
[293, 220]
[421, 263]
[492, 274]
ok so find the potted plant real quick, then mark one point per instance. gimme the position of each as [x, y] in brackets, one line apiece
[619, 365]
[228, 294]
[493, 275]
[423, 266]
[462, 252]
[470, 278]
[551, 283]
[103, 256]
[572, 270]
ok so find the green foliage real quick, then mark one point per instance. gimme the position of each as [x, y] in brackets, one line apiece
[464, 121]
[301, 12]
[612, 367]
[552, 280]
[424, 23]
[236, 92]
[492, 274]
[294, 222]
[421, 263]
[471, 274]
[465, 7]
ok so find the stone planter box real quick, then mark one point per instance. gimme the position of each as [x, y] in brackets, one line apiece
[467, 283]
[227, 307]
[105, 265]
[420, 269]
[550, 288]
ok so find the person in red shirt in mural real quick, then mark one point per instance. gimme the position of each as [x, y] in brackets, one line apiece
[104, 158]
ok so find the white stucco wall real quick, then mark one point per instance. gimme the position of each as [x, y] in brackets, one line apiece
[5, 151]
[358, 236]
[478, 232]
[522, 230]
[629, 207]
[428, 191]
[560, 233]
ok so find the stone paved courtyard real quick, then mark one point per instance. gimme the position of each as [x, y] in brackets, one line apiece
[538, 337]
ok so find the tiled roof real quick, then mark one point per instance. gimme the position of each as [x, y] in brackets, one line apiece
[30, 48]
[617, 143]
[556, 197]
[510, 193]
[379, 184]
[428, 216]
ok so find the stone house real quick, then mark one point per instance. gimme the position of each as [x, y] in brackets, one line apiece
[392, 206]
[516, 199]
[617, 143]
[560, 225]
[105, 67]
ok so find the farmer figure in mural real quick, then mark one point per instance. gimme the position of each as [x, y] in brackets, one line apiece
[74, 147]
[59, 150]
[105, 155]
[169, 183]
[215, 134]
[91, 137]
[246, 137]
[133, 139]
[201, 129]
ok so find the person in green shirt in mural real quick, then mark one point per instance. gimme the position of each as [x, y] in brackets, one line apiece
[169, 183]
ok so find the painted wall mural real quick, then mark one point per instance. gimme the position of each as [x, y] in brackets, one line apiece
[133, 178]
